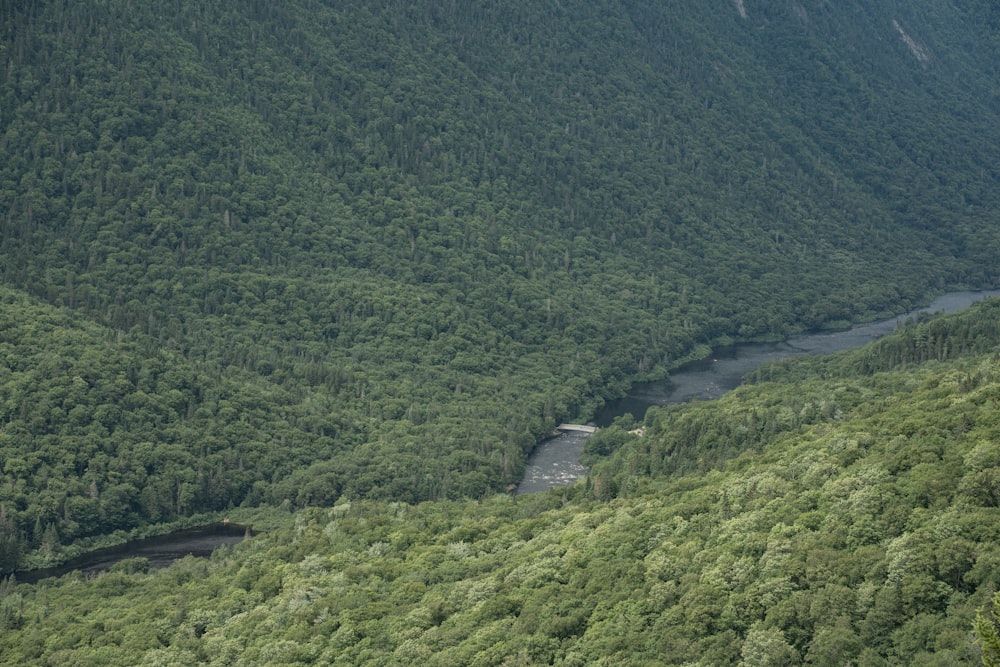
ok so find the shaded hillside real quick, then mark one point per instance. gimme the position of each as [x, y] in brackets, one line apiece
[453, 226]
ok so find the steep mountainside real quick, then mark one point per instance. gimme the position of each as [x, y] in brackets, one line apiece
[403, 240]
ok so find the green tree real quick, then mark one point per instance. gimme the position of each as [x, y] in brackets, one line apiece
[987, 628]
[767, 647]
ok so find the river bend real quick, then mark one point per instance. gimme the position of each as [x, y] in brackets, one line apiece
[556, 461]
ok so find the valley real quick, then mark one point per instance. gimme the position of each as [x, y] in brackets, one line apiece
[332, 269]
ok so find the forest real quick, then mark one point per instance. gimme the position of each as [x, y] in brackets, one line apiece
[343, 265]
[837, 510]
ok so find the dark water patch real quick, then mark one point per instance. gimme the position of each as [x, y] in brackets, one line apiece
[158, 551]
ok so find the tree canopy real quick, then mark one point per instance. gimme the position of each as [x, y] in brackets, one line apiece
[860, 524]
[260, 256]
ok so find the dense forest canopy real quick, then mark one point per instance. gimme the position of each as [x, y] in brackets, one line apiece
[853, 520]
[280, 254]
[334, 268]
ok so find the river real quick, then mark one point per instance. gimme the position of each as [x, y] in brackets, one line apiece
[556, 461]
[159, 551]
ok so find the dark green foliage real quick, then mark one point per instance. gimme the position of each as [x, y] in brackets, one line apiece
[101, 434]
[926, 338]
[290, 253]
[606, 441]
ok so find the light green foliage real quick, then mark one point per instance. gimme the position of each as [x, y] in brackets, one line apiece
[765, 647]
[755, 562]
[987, 627]
[279, 255]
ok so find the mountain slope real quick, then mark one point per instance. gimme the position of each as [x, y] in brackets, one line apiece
[455, 226]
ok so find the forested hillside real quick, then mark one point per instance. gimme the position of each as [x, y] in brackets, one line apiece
[282, 253]
[858, 524]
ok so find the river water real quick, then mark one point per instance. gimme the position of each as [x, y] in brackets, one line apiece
[160, 551]
[556, 461]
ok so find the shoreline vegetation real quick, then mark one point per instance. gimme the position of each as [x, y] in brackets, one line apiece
[258, 520]
[240, 516]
